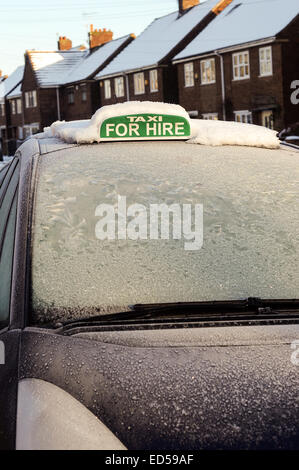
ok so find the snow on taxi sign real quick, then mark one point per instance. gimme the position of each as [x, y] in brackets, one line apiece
[149, 122]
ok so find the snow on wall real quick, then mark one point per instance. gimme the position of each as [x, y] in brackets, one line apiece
[202, 131]
[243, 21]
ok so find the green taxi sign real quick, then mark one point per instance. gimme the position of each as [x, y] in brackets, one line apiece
[145, 127]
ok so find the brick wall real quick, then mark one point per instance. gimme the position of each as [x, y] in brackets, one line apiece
[250, 94]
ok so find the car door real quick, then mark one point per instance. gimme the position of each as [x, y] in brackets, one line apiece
[9, 339]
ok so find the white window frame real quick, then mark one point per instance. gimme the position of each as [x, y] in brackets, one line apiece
[107, 89]
[239, 64]
[210, 116]
[19, 106]
[13, 107]
[29, 129]
[139, 83]
[20, 133]
[30, 99]
[70, 92]
[207, 66]
[245, 116]
[268, 114]
[119, 87]
[154, 84]
[189, 74]
[266, 64]
[83, 90]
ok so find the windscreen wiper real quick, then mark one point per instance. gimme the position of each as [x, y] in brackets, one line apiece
[252, 307]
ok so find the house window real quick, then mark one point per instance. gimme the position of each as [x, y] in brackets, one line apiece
[189, 74]
[243, 116]
[20, 133]
[30, 99]
[107, 89]
[210, 116]
[119, 87]
[30, 129]
[265, 61]
[139, 88]
[2, 109]
[19, 106]
[207, 69]
[154, 80]
[70, 95]
[83, 92]
[13, 107]
[241, 65]
[268, 119]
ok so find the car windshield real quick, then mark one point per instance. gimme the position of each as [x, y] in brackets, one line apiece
[250, 227]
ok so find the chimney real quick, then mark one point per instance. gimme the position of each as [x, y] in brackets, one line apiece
[0, 73]
[221, 6]
[186, 4]
[64, 44]
[99, 37]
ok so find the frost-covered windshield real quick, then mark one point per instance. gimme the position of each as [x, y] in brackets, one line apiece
[249, 199]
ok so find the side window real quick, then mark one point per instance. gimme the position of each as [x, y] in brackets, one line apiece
[9, 177]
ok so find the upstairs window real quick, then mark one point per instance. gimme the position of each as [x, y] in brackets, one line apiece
[207, 69]
[13, 107]
[139, 88]
[70, 95]
[154, 81]
[189, 74]
[107, 89]
[241, 65]
[30, 99]
[83, 90]
[19, 106]
[266, 67]
[119, 87]
[2, 109]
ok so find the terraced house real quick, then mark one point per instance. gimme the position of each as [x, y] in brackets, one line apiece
[11, 110]
[59, 84]
[243, 66]
[143, 71]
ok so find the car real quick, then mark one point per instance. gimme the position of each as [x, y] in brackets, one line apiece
[117, 333]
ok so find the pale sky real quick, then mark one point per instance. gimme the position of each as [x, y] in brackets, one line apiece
[36, 24]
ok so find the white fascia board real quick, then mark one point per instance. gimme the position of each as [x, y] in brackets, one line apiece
[128, 72]
[236, 47]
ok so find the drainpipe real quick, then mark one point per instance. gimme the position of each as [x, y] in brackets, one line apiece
[127, 86]
[58, 104]
[222, 84]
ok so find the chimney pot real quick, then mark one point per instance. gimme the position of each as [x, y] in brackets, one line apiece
[64, 44]
[186, 4]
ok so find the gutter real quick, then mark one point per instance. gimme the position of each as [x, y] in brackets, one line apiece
[222, 84]
[236, 47]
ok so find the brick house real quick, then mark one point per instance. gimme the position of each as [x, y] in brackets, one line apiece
[242, 67]
[58, 85]
[143, 71]
[7, 87]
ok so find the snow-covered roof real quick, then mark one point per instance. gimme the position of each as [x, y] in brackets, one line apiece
[243, 21]
[16, 92]
[11, 82]
[203, 132]
[51, 68]
[157, 40]
[91, 62]
[62, 67]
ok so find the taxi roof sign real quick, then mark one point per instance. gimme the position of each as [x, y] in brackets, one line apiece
[145, 126]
